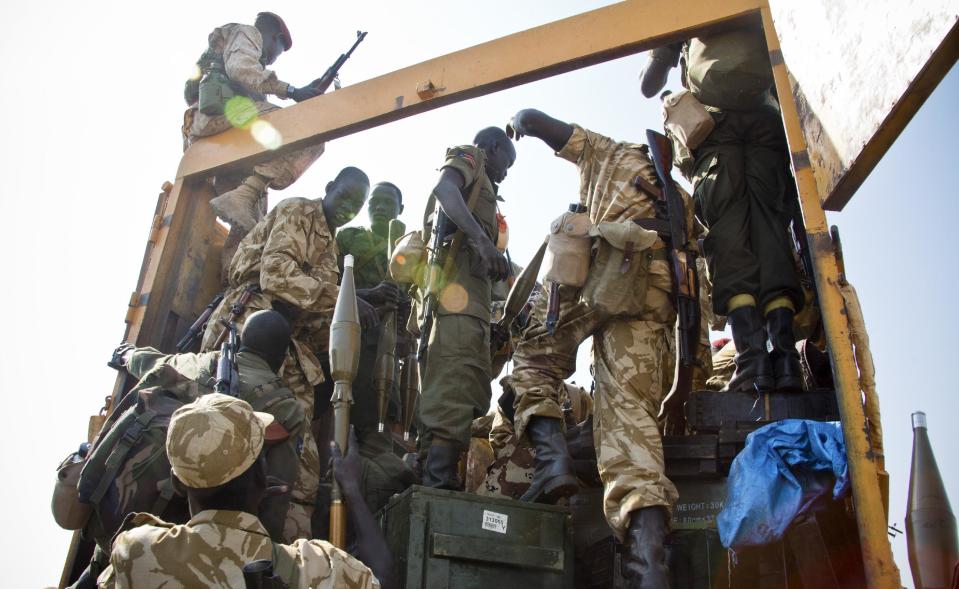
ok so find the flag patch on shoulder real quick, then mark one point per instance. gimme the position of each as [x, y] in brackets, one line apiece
[467, 157]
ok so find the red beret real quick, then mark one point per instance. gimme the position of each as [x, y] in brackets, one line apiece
[285, 32]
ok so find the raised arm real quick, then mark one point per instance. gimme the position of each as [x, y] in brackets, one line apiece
[536, 123]
[653, 77]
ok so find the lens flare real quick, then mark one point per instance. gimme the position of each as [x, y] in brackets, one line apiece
[266, 134]
[195, 72]
[454, 297]
[240, 111]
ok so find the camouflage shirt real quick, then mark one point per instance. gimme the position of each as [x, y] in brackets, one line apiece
[607, 171]
[291, 256]
[370, 266]
[241, 47]
[210, 551]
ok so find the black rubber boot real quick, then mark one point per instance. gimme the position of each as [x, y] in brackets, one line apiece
[553, 476]
[644, 552]
[754, 371]
[439, 472]
[784, 356]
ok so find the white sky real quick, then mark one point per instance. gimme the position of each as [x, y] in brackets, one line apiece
[92, 101]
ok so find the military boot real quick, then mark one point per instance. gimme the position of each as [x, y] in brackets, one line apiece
[442, 459]
[644, 551]
[553, 476]
[753, 368]
[240, 207]
[784, 356]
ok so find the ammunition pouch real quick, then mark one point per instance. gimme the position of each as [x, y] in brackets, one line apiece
[214, 91]
[618, 277]
[687, 119]
[568, 250]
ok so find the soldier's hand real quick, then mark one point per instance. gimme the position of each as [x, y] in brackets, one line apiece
[495, 263]
[516, 127]
[276, 486]
[348, 469]
[384, 293]
[304, 93]
[121, 356]
[368, 317]
[672, 417]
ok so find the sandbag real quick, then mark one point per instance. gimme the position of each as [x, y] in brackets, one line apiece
[618, 277]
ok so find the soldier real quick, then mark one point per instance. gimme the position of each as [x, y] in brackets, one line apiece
[740, 177]
[215, 449]
[242, 53]
[629, 355]
[456, 372]
[386, 472]
[263, 343]
[288, 261]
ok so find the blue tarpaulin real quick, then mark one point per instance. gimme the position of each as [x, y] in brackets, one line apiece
[786, 469]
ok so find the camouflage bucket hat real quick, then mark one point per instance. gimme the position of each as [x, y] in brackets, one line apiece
[214, 440]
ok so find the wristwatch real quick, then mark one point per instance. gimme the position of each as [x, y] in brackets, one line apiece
[290, 90]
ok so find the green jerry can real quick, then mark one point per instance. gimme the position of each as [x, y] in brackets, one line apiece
[453, 540]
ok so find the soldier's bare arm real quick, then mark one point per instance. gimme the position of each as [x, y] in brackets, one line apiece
[536, 123]
[449, 193]
[653, 77]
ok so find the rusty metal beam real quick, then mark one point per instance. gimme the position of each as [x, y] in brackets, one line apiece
[555, 48]
[881, 571]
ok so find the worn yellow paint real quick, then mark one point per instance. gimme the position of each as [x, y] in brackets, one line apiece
[565, 45]
[881, 571]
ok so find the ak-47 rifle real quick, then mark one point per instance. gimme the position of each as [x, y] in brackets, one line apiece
[236, 311]
[227, 376]
[323, 83]
[682, 262]
[434, 270]
[192, 334]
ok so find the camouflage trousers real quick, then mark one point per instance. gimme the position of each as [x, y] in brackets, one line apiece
[629, 356]
[282, 171]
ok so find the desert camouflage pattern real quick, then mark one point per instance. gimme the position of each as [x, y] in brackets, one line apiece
[241, 47]
[210, 551]
[629, 353]
[511, 472]
[291, 256]
[723, 367]
[214, 439]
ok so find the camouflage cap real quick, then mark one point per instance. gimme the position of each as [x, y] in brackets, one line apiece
[214, 440]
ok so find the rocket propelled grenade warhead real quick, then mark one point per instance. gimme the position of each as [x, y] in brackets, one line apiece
[344, 359]
[385, 373]
[931, 536]
[522, 288]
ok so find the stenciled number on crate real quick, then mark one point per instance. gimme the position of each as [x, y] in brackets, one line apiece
[495, 522]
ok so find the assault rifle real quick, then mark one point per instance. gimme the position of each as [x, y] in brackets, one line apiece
[227, 376]
[323, 83]
[259, 574]
[434, 270]
[682, 262]
[191, 336]
[237, 310]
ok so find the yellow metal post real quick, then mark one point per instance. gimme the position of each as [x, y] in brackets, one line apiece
[881, 571]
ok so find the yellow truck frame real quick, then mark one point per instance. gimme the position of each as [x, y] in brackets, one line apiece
[180, 268]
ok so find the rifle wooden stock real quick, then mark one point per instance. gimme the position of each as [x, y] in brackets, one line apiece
[236, 310]
[189, 339]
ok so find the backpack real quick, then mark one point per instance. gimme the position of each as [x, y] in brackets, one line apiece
[127, 470]
[730, 70]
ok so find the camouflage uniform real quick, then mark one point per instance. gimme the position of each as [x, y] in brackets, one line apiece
[241, 48]
[456, 375]
[291, 256]
[263, 390]
[209, 443]
[629, 352]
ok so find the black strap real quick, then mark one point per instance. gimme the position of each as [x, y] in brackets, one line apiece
[119, 453]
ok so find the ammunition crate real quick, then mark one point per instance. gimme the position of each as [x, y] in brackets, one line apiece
[452, 540]
[700, 501]
[712, 411]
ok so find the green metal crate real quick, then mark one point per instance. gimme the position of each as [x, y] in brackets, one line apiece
[451, 540]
